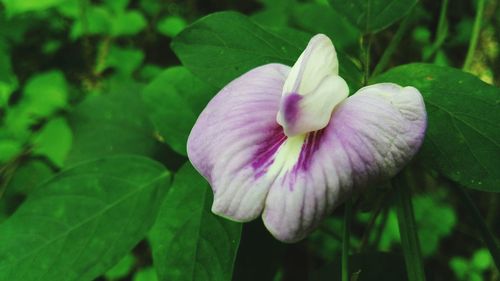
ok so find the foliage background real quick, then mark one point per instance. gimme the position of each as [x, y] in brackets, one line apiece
[95, 109]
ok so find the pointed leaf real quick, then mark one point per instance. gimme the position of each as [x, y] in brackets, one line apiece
[81, 222]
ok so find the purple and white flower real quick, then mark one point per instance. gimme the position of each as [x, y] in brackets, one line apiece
[288, 143]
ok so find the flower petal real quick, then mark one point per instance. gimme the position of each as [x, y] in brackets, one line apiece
[312, 89]
[234, 139]
[371, 136]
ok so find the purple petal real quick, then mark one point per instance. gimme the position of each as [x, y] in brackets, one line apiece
[235, 138]
[370, 137]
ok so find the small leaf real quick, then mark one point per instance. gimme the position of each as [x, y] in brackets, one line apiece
[146, 274]
[171, 26]
[124, 60]
[16, 6]
[8, 80]
[463, 132]
[189, 242]
[373, 15]
[83, 221]
[45, 93]
[174, 107]
[127, 23]
[54, 141]
[122, 268]
[9, 149]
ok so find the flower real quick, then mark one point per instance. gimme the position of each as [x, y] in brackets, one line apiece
[288, 143]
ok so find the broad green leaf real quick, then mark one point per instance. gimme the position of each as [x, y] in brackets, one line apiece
[20, 6]
[171, 26]
[112, 123]
[84, 220]
[189, 242]
[27, 176]
[318, 18]
[463, 130]
[174, 100]
[373, 15]
[224, 45]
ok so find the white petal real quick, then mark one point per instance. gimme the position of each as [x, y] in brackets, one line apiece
[312, 89]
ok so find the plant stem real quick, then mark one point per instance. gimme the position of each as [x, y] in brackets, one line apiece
[476, 30]
[408, 229]
[366, 43]
[386, 56]
[488, 237]
[345, 239]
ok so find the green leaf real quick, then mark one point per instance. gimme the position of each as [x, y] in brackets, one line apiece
[117, 5]
[127, 23]
[20, 6]
[97, 21]
[27, 176]
[146, 274]
[82, 221]
[188, 241]
[8, 80]
[124, 60]
[373, 15]
[435, 220]
[463, 129]
[174, 99]
[122, 268]
[224, 45]
[9, 149]
[318, 18]
[481, 259]
[54, 141]
[45, 93]
[171, 26]
[113, 123]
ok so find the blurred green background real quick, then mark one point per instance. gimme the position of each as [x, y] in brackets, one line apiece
[79, 79]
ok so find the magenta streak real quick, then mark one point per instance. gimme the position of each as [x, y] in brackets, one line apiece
[291, 107]
[264, 156]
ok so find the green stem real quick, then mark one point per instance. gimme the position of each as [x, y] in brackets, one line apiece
[345, 239]
[442, 32]
[366, 44]
[476, 30]
[488, 237]
[408, 229]
[384, 60]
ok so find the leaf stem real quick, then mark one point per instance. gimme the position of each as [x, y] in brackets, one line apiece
[345, 239]
[386, 56]
[408, 229]
[366, 43]
[488, 237]
[476, 29]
